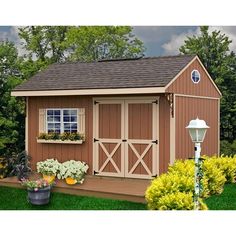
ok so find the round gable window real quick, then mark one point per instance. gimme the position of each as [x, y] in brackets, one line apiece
[195, 76]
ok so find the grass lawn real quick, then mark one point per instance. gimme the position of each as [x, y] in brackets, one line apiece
[224, 201]
[16, 199]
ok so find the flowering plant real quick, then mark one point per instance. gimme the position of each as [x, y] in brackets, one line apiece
[48, 167]
[35, 185]
[73, 169]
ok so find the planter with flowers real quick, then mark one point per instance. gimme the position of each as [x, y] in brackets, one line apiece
[49, 169]
[73, 171]
[38, 191]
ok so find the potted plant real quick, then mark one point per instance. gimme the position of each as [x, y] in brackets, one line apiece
[49, 169]
[73, 171]
[38, 191]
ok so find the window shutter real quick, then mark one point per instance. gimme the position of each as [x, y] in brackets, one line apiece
[42, 121]
[81, 120]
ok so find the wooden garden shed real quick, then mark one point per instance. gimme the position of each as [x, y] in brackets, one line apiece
[132, 112]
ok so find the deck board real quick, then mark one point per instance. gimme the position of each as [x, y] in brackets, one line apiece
[105, 187]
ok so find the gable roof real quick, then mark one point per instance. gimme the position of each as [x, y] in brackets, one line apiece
[110, 74]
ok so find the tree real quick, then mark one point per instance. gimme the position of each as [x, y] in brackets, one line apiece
[11, 108]
[50, 44]
[45, 43]
[213, 50]
[92, 43]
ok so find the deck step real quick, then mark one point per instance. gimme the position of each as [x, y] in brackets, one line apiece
[102, 187]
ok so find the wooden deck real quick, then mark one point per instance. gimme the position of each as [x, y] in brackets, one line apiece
[104, 187]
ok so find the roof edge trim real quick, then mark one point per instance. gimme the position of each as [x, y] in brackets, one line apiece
[177, 76]
[89, 92]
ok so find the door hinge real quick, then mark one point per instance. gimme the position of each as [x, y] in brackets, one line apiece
[95, 102]
[95, 172]
[95, 140]
[155, 102]
[124, 140]
[154, 176]
[155, 141]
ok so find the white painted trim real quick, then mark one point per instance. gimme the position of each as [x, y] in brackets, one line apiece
[177, 76]
[195, 96]
[218, 127]
[102, 140]
[27, 125]
[133, 98]
[172, 134]
[124, 101]
[59, 141]
[192, 76]
[90, 92]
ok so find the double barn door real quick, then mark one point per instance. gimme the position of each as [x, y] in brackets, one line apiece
[125, 138]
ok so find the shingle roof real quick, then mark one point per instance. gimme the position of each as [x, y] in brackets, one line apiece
[131, 73]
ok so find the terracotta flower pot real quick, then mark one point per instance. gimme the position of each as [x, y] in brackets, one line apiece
[71, 181]
[49, 178]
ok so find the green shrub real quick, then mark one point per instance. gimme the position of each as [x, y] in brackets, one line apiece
[227, 148]
[169, 190]
[227, 164]
[178, 201]
[3, 167]
[169, 183]
[213, 178]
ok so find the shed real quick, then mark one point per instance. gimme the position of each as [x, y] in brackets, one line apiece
[132, 113]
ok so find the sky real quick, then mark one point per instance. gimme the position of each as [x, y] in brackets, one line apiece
[158, 40]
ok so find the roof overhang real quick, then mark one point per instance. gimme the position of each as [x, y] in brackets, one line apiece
[149, 90]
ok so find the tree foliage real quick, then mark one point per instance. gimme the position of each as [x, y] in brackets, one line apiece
[213, 50]
[45, 45]
[92, 43]
[11, 108]
[83, 43]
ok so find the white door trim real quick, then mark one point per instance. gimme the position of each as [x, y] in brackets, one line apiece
[124, 101]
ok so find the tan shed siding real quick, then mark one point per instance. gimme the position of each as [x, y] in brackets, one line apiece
[184, 85]
[62, 152]
[164, 135]
[188, 108]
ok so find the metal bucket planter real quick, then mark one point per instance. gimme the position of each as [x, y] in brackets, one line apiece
[40, 197]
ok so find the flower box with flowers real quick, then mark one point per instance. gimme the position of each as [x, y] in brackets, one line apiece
[64, 138]
[38, 191]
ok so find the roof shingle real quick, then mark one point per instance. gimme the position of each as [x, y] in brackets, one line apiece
[133, 73]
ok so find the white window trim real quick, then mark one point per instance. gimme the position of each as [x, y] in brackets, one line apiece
[192, 76]
[61, 118]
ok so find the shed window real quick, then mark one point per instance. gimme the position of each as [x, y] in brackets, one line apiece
[195, 76]
[62, 120]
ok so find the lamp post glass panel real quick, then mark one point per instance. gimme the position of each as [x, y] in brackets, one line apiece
[197, 130]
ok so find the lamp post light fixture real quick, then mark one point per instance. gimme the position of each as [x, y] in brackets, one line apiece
[197, 130]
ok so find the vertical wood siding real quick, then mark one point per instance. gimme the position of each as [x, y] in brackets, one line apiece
[188, 108]
[164, 134]
[62, 152]
[184, 85]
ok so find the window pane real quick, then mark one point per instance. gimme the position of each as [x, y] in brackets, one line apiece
[66, 126]
[57, 112]
[50, 126]
[66, 118]
[57, 118]
[49, 112]
[73, 119]
[66, 112]
[50, 118]
[73, 112]
[74, 126]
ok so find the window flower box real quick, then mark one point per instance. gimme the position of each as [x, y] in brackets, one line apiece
[64, 138]
[59, 141]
